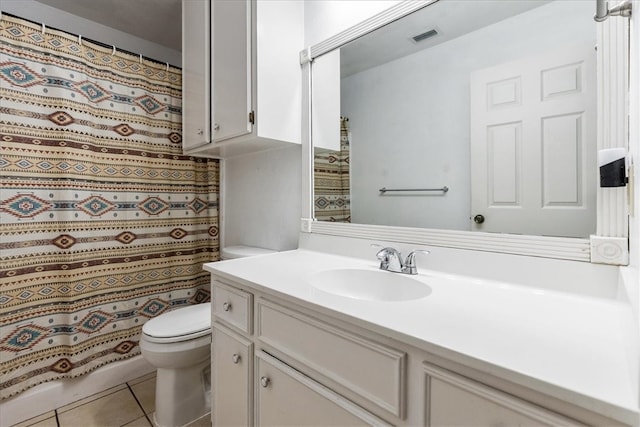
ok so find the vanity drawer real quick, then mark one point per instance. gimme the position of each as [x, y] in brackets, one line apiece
[373, 371]
[232, 306]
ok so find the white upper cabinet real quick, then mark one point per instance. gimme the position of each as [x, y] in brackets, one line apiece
[241, 76]
[196, 50]
[231, 70]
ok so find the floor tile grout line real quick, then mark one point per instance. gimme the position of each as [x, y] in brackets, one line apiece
[57, 412]
[89, 397]
[139, 404]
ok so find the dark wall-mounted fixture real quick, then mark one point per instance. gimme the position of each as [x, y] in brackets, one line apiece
[613, 169]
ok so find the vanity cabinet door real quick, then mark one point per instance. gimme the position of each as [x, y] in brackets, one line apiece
[231, 378]
[453, 400]
[286, 397]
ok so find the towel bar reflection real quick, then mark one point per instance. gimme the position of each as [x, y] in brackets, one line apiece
[385, 189]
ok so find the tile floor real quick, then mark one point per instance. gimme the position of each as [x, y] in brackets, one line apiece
[131, 404]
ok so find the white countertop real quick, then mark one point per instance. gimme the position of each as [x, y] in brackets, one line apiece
[572, 347]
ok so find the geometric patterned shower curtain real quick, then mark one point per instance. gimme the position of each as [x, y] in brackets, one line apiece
[104, 223]
[331, 176]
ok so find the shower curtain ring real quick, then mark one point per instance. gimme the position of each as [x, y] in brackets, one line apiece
[44, 29]
[79, 39]
[113, 52]
[141, 58]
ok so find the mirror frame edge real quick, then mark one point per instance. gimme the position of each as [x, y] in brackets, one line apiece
[610, 244]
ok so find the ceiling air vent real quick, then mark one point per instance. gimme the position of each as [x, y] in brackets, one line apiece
[424, 36]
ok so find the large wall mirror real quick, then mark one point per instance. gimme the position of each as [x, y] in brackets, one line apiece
[463, 110]
[461, 116]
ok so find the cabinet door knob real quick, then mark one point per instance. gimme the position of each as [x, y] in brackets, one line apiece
[200, 132]
[235, 358]
[226, 306]
[265, 381]
[216, 127]
[478, 219]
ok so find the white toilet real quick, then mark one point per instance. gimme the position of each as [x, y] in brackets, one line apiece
[178, 344]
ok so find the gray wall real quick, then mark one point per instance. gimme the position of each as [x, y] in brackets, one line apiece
[52, 17]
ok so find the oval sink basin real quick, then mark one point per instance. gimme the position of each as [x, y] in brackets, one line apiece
[369, 285]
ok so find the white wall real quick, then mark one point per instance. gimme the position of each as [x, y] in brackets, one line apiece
[52, 17]
[261, 199]
[634, 137]
[413, 116]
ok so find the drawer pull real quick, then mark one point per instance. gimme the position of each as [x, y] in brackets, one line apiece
[226, 306]
[265, 381]
[235, 358]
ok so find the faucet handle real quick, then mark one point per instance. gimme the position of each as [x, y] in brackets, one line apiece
[410, 263]
[382, 254]
[390, 259]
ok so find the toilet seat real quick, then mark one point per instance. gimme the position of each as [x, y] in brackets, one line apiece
[184, 324]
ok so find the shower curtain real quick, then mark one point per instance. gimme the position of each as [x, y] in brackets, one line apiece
[332, 194]
[104, 223]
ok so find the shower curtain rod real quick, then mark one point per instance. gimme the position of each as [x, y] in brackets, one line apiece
[83, 38]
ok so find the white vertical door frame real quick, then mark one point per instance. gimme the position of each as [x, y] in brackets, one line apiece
[307, 150]
[634, 139]
[610, 245]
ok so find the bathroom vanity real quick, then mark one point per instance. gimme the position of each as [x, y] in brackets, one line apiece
[289, 348]
[513, 326]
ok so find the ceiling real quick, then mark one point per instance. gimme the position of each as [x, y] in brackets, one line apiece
[158, 21]
[450, 19]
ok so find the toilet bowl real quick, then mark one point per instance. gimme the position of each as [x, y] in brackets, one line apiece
[178, 344]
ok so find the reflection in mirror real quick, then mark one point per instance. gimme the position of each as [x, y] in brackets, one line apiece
[495, 100]
[331, 180]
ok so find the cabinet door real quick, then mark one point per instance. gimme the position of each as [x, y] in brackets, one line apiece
[231, 378]
[285, 397]
[453, 400]
[196, 124]
[231, 68]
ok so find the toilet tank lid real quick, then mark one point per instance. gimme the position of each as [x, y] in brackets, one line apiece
[183, 321]
[241, 251]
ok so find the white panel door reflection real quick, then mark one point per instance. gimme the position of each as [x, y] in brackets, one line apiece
[533, 145]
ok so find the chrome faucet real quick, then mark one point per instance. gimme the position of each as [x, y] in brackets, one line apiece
[391, 260]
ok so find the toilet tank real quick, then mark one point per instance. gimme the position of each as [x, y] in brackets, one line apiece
[240, 251]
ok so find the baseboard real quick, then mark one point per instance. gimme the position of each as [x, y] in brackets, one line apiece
[49, 396]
